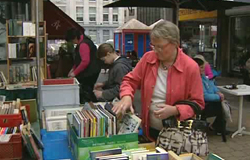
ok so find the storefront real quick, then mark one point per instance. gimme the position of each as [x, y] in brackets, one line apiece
[239, 38]
[199, 33]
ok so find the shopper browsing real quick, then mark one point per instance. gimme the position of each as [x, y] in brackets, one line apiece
[86, 66]
[119, 67]
[165, 75]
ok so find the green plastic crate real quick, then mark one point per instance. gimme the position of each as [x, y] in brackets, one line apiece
[81, 147]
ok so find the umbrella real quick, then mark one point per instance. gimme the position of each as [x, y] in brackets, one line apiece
[206, 5]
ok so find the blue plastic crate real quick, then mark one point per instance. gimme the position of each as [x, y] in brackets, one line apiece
[55, 145]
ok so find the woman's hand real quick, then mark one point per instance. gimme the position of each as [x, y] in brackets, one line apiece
[123, 105]
[98, 94]
[71, 74]
[165, 111]
[98, 86]
[222, 97]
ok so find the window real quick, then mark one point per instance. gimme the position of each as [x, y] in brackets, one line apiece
[105, 15]
[115, 15]
[63, 8]
[79, 14]
[105, 35]
[92, 0]
[92, 14]
[105, 0]
[115, 18]
[92, 34]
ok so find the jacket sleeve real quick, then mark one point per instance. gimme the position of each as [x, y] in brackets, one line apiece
[132, 80]
[208, 71]
[195, 92]
[211, 97]
[85, 58]
[119, 73]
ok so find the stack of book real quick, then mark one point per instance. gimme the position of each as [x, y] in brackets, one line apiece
[97, 120]
[55, 119]
[131, 154]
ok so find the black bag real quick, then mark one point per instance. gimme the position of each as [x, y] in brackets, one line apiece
[184, 136]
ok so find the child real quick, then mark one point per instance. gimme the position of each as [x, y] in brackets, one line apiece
[119, 67]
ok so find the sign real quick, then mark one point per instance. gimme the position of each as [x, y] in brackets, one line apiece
[189, 14]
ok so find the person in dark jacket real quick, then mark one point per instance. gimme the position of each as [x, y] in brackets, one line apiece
[120, 66]
[213, 98]
[86, 64]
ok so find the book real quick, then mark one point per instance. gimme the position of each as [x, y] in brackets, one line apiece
[157, 156]
[114, 157]
[212, 156]
[160, 150]
[94, 154]
[130, 124]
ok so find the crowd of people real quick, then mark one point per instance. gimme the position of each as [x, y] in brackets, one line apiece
[164, 76]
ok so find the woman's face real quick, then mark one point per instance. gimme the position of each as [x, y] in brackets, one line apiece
[163, 48]
[202, 69]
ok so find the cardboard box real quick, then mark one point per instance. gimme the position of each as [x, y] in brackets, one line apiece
[189, 156]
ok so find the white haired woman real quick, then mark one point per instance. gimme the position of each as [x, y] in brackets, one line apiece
[165, 75]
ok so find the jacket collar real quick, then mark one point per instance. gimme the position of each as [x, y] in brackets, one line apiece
[152, 59]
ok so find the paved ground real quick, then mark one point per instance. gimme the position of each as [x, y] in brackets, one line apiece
[237, 148]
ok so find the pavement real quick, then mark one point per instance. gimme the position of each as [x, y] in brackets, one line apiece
[237, 148]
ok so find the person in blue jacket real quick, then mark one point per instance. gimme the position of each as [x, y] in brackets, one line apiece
[213, 98]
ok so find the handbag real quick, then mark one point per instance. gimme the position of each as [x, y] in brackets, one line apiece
[187, 136]
[226, 108]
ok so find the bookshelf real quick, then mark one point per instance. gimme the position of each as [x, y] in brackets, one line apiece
[21, 51]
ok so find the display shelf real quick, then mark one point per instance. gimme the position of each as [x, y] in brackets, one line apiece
[19, 45]
[24, 36]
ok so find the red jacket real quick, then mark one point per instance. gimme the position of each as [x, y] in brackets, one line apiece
[183, 83]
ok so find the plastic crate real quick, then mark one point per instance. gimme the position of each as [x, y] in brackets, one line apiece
[57, 140]
[59, 95]
[58, 81]
[13, 148]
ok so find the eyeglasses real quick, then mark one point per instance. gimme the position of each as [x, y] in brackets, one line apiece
[158, 48]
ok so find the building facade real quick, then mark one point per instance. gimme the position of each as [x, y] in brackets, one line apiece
[99, 23]
[148, 15]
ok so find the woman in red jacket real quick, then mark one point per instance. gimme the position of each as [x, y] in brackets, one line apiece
[165, 76]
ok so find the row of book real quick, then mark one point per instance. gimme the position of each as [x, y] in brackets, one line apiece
[22, 73]
[9, 130]
[99, 120]
[94, 122]
[24, 48]
[131, 154]
[21, 50]
[3, 80]
[10, 108]
[17, 28]
[30, 139]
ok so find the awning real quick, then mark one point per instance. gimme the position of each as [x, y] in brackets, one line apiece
[57, 22]
[207, 5]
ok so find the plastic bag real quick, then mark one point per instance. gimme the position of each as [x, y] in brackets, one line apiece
[227, 110]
